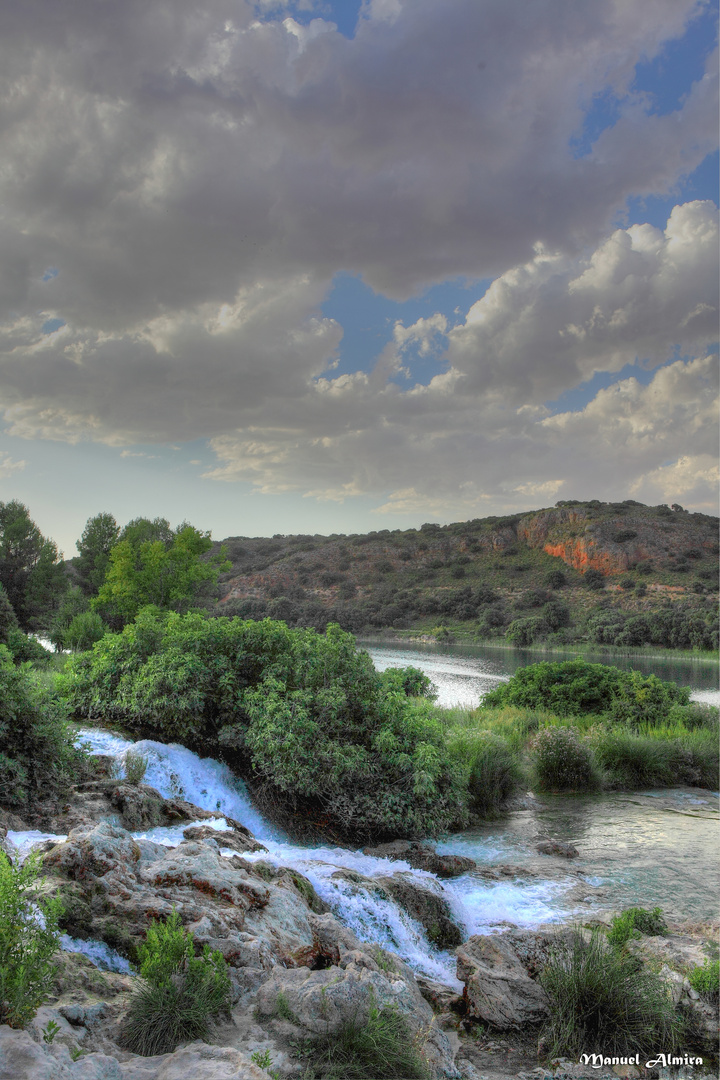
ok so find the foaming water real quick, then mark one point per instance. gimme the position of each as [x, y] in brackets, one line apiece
[177, 772]
[100, 954]
[25, 841]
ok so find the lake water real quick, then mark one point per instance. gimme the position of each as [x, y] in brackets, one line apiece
[463, 674]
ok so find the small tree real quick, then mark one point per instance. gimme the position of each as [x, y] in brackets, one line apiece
[29, 937]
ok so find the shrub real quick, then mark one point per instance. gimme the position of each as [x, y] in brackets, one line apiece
[562, 760]
[179, 994]
[705, 980]
[38, 756]
[135, 767]
[381, 1047]
[635, 921]
[29, 937]
[603, 1000]
[492, 771]
[576, 687]
[594, 579]
[84, 630]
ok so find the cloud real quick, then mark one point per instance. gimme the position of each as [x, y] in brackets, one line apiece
[8, 466]
[180, 184]
[694, 478]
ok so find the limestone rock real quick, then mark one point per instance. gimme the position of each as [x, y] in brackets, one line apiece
[497, 986]
[429, 909]
[237, 841]
[321, 1001]
[423, 857]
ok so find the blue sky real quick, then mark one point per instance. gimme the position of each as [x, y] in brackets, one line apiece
[330, 267]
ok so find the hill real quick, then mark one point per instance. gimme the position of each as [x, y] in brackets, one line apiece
[606, 573]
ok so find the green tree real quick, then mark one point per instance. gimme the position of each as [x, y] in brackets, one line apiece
[169, 573]
[73, 603]
[99, 537]
[31, 569]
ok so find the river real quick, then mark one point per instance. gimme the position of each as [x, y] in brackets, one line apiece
[648, 848]
[462, 674]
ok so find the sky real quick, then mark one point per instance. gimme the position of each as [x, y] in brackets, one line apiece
[329, 267]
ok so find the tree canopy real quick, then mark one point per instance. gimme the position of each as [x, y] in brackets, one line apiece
[153, 565]
[31, 569]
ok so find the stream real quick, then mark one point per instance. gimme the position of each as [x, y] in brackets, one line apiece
[648, 848]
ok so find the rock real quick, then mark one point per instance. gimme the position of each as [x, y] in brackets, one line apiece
[429, 909]
[497, 986]
[237, 841]
[321, 1001]
[422, 857]
[441, 997]
[557, 847]
[23, 1059]
[94, 852]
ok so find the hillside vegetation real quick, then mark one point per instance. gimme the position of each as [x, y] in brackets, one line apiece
[620, 574]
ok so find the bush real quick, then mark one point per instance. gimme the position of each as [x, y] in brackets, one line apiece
[603, 1001]
[562, 761]
[84, 630]
[180, 993]
[38, 757]
[382, 1047]
[29, 937]
[635, 921]
[576, 687]
[705, 980]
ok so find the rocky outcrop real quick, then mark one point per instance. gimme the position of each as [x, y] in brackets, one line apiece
[423, 857]
[498, 988]
[320, 1002]
[119, 884]
[616, 543]
[21, 1058]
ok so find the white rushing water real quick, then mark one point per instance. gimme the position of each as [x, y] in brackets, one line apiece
[476, 904]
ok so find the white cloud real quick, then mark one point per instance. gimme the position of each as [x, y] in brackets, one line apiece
[8, 466]
[180, 186]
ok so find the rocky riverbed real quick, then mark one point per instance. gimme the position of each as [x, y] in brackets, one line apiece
[297, 971]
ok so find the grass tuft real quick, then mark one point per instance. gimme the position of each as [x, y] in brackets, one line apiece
[603, 1000]
[635, 921]
[383, 1047]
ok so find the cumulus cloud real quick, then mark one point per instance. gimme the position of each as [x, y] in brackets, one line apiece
[181, 183]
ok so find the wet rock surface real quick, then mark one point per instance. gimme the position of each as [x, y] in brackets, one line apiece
[423, 857]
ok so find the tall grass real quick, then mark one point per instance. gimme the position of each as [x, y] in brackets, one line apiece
[382, 1047]
[492, 771]
[603, 1000]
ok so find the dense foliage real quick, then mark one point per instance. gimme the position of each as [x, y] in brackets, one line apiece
[29, 937]
[31, 570]
[38, 757]
[633, 923]
[575, 687]
[563, 760]
[307, 712]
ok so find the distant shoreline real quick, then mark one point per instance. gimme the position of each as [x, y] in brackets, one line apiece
[583, 648]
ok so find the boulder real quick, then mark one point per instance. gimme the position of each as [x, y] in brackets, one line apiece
[498, 988]
[320, 1002]
[425, 906]
[231, 838]
[557, 847]
[423, 857]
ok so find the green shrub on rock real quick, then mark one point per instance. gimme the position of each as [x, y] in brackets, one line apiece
[705, 980]
[180, 993]
[382, 1047]
[635, 921]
